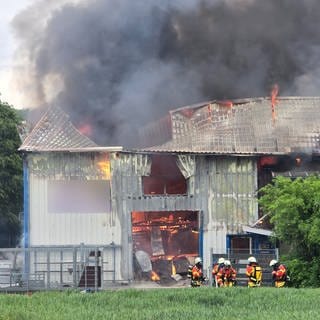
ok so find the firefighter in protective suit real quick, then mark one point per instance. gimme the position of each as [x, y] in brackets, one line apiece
[279, 273]
[254, 273]
[229, 274]
[226, 277]
[197, 278]
[215, 270]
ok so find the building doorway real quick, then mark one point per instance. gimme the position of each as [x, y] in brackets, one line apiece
[241, 245]
[164, 243]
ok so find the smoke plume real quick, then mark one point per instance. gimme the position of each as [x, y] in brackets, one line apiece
[117, 65]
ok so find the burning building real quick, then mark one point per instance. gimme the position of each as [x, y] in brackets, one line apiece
[189, 189]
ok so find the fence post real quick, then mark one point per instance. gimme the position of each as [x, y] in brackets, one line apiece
[74, 266]
[210, 267]
[102, 270]
[114, 263]
[96, 269]
[48, 268]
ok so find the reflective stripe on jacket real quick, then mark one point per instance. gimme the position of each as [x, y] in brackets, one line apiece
[254, 274]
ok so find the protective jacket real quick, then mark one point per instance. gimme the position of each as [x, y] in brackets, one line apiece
[254, 274]
[220, 277]
[279, 276]
[197, 278]
[229, 276]
[215, 270]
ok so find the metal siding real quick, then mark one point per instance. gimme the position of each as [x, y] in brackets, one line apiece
[231, 188]
[65, 228]
[223, 189]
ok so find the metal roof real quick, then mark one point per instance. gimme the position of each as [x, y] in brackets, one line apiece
[239, 127]
[55, 132]
[247, 126]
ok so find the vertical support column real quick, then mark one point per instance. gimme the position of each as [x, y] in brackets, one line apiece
[74, 263]
[114, 263]
[26, 218]
[102, 267]
[96, 269]
[61, 269]
[201, 234]
[48, 269]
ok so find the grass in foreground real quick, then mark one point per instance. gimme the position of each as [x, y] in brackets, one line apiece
[187, 303]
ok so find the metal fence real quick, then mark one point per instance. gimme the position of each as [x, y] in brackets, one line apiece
[58, 268]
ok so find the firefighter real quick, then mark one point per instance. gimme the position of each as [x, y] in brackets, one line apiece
[197, 278]
[279, 273]
[254, 273]
[216, 267]
[220, 278]
[229, 274]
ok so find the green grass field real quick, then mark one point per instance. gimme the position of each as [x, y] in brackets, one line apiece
[186, 303]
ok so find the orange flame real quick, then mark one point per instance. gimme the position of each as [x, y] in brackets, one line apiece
[226, 103]
[104, 166]
[154, 276]
[274, 94]
[85, 129]
[173, 269]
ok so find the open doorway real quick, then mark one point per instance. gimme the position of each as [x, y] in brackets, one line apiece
[164, 244]
[241, 245]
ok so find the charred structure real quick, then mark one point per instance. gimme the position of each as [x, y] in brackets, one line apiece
[191, 193]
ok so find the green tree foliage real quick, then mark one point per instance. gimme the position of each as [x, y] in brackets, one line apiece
[11, 185]
[294, 208]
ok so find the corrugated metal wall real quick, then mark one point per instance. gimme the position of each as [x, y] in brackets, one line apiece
[222, 190]
[65, 228]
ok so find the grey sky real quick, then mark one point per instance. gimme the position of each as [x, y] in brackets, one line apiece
[8, 9]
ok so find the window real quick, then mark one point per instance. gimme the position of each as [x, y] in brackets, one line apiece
[165, 177]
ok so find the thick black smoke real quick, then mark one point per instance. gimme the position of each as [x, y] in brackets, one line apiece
[120, 64]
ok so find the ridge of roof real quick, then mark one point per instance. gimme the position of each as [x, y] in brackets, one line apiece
[54, 131]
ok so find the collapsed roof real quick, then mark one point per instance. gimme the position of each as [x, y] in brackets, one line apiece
[55, 132]
[248, 126]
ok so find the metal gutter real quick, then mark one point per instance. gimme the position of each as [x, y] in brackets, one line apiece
[81, 150]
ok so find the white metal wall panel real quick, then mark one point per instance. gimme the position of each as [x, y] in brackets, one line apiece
[66, 228]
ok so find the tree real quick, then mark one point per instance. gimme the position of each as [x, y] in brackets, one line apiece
[11, 177]
[294, 208]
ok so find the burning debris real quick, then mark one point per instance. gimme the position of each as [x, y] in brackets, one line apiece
[274, 94]
[163, 244]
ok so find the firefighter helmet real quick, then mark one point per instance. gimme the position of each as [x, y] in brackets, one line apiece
[227, 263]
[273, 262]
[197, 260]
[252, 259]
[221, 260]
